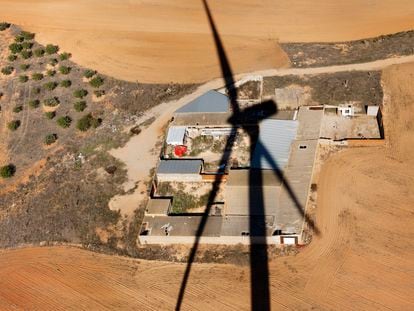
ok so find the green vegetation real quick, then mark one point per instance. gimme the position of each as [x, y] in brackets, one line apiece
[89, 73]
[27, 35]
[50, 139]
[80, 106]
[23, 78]
[80, 93]
[53, 62]
[64, 70]
[86, 122]
[51, 49]
[50, 115]
[183, 201]
[99, 93]
[39, 52]
[12, 57]
[27, 45]
[15, 48]
[51, 73]
[36, 91]
[65, 56]
[200, 144]
[13, 125]
[37, 76]
[66, 83]
[50, 85]
[26, 54]
[4, 26]
[34, 103]
[18, 39]
[24, 67]
[96, 82]
[7, 70]
[64, 121]
[51, 102]
[7, 171]
[17, 108]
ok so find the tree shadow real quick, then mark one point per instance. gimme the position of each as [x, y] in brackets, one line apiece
[248, 119]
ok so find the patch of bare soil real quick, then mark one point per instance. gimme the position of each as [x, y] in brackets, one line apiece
[304, 55]
[333, 88]
[363, 257]
[162, 41]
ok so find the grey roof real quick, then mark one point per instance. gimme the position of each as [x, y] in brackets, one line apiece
[183, 225]
[176, 135]
[158, 206]
[274, 142]
[179, 167]
[212, 101]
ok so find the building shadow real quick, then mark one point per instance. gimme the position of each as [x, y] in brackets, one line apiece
[249, 120]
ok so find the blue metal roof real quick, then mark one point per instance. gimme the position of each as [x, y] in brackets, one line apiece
[209, 102]
[179, 167]
[275, 139]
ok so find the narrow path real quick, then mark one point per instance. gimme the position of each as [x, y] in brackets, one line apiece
[140, 156]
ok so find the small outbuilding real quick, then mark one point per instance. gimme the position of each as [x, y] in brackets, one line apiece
[179, 170]
[176, 135]
[158, 207]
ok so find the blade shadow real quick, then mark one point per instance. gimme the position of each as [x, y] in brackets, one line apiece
[248, 119]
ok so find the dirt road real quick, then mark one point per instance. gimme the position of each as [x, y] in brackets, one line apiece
[163, 41]
[140, 155]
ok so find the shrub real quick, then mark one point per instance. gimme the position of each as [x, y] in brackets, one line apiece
[36, 90]
[7, 70]
[65, 56]
[4, 26]
[99, 93]
[18, 39]
[12, 57]
[37, 76]
[13, 125]
[89, 73]
[96, 82]
[39, 52]
[88, 121]
[50, 85]
[66, 83]
[64, 70]
[51, 102]
[51, 49]
[50, 114]
[27, 35]
[24, 67]
[7, 171]
[50, 139]
[26, 54]
[64, 121]
[84, 123]
[81, 93]
[15, 48]
[27, 45]
[23, 78]
[53, 62]
[34, 103]
[51, 72]
[80, 106]
[17, 108]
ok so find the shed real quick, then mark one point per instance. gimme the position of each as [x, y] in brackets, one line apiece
[158, 207]
[179, 170]
[176, 135]
[372, 110]
[210, 102]
[273, 146]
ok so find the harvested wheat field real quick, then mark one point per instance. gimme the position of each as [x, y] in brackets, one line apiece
[362, 260]
[163, 41]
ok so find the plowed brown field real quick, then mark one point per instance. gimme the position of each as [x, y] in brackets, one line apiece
[363, 259]
[164, 40]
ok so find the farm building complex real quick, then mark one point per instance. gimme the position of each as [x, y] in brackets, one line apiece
[214, 181]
